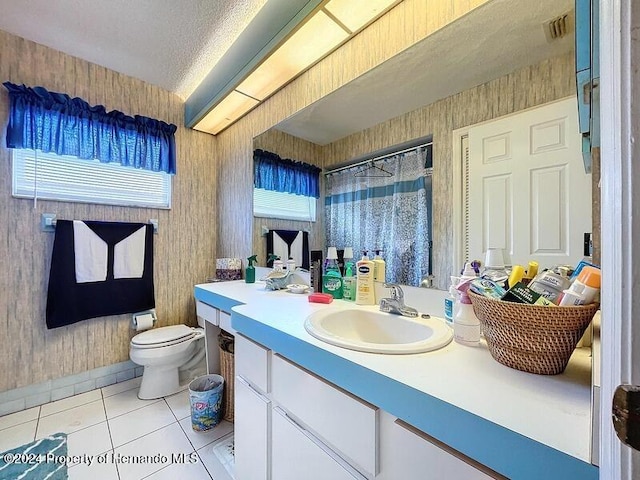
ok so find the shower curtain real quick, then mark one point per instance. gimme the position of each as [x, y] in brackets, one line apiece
[390, 213]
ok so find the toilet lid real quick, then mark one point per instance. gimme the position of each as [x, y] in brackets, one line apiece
[163, 335]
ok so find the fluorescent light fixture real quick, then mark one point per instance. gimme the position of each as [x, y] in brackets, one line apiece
[311, 42]
[328, 26]
[355, 14]
[230, 109]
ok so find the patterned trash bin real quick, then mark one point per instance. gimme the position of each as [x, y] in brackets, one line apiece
[205, 395]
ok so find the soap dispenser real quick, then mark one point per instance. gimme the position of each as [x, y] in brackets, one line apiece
[348, 281]
[250, 272]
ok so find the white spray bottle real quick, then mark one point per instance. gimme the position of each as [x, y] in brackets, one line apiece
[466, 326]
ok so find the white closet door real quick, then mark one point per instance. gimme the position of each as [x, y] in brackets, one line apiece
[528, 193]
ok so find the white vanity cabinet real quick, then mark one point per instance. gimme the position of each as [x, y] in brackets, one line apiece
[291, 424]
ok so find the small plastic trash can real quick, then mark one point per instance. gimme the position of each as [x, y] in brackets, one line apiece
[205, 395]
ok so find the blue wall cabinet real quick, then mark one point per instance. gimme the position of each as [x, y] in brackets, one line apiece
[588, 76]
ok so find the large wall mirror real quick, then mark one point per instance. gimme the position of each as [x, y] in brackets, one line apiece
[497, 60]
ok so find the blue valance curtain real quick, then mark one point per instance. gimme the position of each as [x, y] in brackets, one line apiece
[54, 122]
[271, 172]
[391, 213]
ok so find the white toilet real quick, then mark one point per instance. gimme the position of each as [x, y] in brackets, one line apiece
[163, 351]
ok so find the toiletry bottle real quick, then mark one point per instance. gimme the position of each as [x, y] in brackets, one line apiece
[466, 326]
[315, 275]
[379, 268]
[250, 272]
[277, 263]
[365, 286]
[291, 265]
[516, 275]
[332, 279]
[468, 272]
[450, 301]
[348, 281]
[585, 288]
[532, 271]
[550, 285]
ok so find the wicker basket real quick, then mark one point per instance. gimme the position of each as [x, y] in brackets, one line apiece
[531, 338]
[227, 370]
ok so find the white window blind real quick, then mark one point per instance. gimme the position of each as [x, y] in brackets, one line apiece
[287, 206]
[55, 177]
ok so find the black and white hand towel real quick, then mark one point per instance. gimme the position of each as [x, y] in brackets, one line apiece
[289, 244]
[99, 269]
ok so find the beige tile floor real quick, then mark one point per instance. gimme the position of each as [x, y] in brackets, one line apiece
[112, 423]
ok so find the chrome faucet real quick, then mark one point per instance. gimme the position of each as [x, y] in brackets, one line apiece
[395, 303]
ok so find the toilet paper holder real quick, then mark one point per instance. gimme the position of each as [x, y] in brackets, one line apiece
[144, 320]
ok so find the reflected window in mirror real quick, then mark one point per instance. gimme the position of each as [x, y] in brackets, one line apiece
[286, 206]
[385, 204]
[284, 188]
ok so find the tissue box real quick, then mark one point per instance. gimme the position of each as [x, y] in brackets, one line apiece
[228, 269]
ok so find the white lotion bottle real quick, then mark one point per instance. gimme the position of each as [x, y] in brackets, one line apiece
[466, 326]
[365, 286]
[379, 268]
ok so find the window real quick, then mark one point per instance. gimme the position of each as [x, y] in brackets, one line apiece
[288, 206]
[56, 177]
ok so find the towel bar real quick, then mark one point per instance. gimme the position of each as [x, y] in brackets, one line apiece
[48, 222]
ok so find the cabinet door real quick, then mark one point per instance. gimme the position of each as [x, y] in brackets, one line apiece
[251, 433]
[252, 363]
[296, 454]
[409, 454]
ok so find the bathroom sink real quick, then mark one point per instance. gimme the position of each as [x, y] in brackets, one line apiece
[373, 331]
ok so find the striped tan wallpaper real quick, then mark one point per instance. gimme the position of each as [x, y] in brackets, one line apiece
[184, 246]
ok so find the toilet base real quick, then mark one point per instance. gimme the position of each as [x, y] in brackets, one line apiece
[158, 382]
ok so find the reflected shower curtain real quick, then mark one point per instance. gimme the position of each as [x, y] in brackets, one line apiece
[387, 213]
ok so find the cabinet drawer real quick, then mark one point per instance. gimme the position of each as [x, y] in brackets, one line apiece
[343, 421]
[411, 454]
[207, 312]
[225, 323]
[252, 362]
[297, 454]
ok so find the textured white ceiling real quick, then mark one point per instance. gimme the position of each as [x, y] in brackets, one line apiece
[169, 43]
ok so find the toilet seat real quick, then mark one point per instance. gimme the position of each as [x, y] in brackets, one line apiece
[164, 337]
